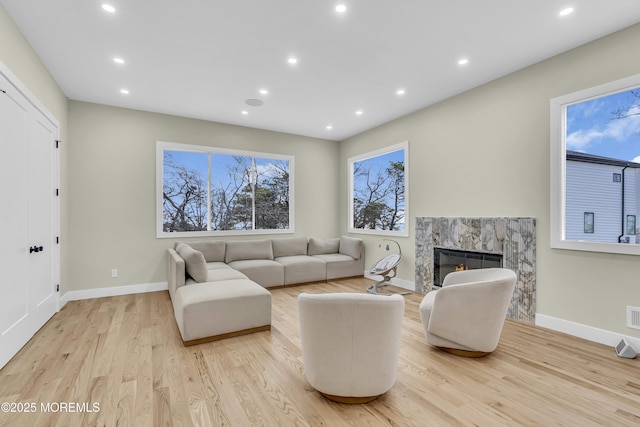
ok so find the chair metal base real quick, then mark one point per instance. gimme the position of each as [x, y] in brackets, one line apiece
[375, 289]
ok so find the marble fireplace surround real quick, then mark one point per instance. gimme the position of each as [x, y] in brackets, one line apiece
[513, 238]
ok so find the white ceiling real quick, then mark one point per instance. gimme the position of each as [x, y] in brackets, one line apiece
[204, 58]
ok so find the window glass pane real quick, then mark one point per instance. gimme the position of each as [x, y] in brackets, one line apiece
[602, 164]
[231, 192]
[204, 190]
[272, 194]
[631, 224]
[379, 192]
[588, 222]
[184, 191]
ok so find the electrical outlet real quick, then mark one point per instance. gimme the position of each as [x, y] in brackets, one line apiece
[114, 272]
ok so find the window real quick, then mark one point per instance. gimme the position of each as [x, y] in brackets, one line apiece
[377, 191]
[631, 224]
[594, 137]
[205, 191]
[588, 222]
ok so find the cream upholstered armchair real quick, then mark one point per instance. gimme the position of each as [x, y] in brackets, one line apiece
[350, 343]
[466, 315]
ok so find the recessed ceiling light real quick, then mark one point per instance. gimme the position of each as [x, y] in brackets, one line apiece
[359, 113]
[341, 8]
[329, 127]
[124, 91]
[292, 60]
[463, 61]
[109, 8]
[400, 92]
[567, 11]
[245, 112]
[263, 92]
[118, 60]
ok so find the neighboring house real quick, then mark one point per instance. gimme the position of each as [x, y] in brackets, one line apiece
[602, 200]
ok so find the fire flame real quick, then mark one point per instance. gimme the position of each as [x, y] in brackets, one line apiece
[461, 267]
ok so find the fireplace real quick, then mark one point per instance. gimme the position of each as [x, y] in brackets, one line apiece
[447, 260]
[513, 239]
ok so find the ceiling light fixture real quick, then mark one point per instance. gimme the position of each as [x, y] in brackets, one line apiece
[292, 61]
[254, 102]
[118, 60]
[567, 11]
[245, 112]
[263, 92]
[329, 127]
[341, 8]
[124, 91]
[109, 8]
[400, 92]
[463, 61]
[359, 113]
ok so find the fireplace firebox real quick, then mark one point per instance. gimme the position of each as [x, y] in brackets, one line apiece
[447, 260]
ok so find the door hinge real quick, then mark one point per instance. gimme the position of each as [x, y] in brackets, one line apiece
[58, 143]
[57, 288]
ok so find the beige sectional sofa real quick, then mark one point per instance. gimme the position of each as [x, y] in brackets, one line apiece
[218, 288]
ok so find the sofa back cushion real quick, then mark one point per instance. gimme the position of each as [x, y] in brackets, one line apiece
[351, 246]
[212, 250]
[194, 261]
[248, 249]
[324, 246]
[289, 247]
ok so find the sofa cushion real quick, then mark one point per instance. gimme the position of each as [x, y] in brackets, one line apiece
[213, 250]
[224, 274]
[324, 246]
[248, 249]
[217, 266]
[265, 272]
[302, 268]
[194, 262]
[350, 246]
[340, 265]
[289, 247]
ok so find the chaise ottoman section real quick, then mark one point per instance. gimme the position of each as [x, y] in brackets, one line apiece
[214, 310]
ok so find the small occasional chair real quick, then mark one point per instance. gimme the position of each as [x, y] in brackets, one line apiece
[350, 343]
[466, 316]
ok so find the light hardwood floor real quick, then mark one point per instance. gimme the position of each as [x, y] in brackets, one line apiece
[124, 353]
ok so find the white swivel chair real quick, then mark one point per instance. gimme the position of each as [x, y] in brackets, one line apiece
[350, 343]
[466, 316]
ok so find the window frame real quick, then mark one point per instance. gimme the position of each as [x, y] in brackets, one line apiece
[370, 155]
[558, 155]
[162, 146]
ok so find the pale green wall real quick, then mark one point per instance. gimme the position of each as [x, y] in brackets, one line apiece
[486, 153]
[16, 53]
[112, 175]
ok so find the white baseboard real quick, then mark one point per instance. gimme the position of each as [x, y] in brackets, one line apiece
[405, 284]
[112, 291]
[583, 331]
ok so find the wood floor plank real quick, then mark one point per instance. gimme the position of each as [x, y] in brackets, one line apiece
[125, 354]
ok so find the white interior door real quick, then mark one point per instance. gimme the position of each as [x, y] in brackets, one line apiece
[29, 257]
